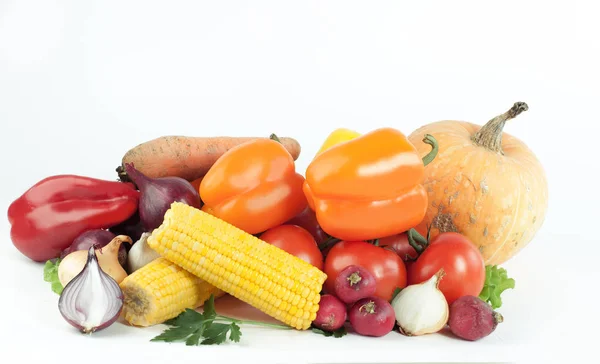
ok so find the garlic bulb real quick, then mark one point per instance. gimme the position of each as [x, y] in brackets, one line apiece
[140, 254]
[421, 308]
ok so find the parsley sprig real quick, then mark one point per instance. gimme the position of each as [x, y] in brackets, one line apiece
[337, 333]
[496, 282]
[51, 275]
[206, 328]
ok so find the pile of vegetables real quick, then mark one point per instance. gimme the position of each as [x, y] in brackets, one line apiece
[409, 230]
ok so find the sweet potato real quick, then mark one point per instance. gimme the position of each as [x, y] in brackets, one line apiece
[186, 157]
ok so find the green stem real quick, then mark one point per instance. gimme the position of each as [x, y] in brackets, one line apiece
[252, 322]
[275, 138]
[417, 241]
[328, 243]
[429, 139]
[412, 241]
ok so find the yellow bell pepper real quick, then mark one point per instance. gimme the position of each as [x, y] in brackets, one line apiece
[336, 137]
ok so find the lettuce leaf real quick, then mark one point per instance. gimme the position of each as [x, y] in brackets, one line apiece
[51, 275]
[496, 282]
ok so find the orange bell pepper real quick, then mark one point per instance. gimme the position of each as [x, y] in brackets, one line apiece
[254, 186]
[369, 187]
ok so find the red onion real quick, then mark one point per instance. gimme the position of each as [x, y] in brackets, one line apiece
[157, 195]
[131, 227]
[92, 300]
[98, 238]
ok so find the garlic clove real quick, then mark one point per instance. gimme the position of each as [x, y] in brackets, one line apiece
[421, 308]
[140, 254]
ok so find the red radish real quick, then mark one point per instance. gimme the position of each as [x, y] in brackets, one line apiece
[354, 283]
[332, 313]
[472, 319]
[372, 316]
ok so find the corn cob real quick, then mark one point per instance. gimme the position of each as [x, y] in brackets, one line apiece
[279, 284]
[160, 291]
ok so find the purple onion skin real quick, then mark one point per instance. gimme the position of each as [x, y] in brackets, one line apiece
[157, 195]
[75, 287]
[98, 238]
[131, 227]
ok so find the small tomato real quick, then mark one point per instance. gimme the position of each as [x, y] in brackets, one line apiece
[296, 241]
[462, 262]
[385, 265]
[399, 243]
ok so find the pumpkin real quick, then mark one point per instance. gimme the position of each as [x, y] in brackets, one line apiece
[484, 184]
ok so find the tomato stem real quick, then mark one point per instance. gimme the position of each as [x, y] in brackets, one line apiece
[417, 241]
[328, 243]
[429, 139]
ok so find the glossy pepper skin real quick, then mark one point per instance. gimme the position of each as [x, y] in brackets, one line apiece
[52, 213]
[367, 187]
[254, 186]
[336, 137]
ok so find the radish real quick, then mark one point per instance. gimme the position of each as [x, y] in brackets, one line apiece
[372, 316]
[472, 319]
[354, 283]
[332, 313]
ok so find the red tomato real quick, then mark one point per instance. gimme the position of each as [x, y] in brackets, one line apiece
[399, 243]
[385, 265]
[296, 241]
[308, 220]
[462, 262]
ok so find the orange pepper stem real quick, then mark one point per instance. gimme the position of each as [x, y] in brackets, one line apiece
[275, 138]
[429, 139]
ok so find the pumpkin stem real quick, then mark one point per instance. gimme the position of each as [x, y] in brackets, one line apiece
[429, 139]
[490, 135]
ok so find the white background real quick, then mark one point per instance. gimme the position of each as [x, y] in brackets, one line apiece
[83, 81]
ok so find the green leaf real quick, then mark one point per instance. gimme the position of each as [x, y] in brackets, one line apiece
[51, 275]
[194, 339]
[216, 332]
[199, 328]
[337, 333]
[340, 332]
[218, 338]
[235, 333]
[189, 317]
[496, 282]
[175, 334]
[395, 293]
[208, 308]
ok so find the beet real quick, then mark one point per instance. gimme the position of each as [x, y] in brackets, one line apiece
[332, 313]
[372, 316]
[354, 283]
[472, 319]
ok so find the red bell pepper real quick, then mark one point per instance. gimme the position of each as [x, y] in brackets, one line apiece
[53, 212]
